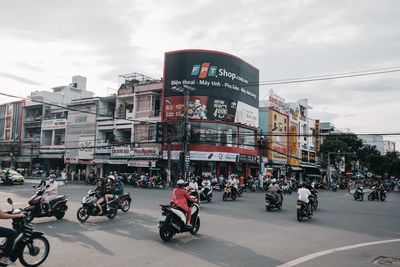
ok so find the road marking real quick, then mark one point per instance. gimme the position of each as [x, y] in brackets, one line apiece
[330, 251]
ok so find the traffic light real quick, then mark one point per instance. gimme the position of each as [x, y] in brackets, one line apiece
[159, 132]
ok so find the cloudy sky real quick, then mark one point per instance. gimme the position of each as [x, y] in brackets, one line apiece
[44, 42]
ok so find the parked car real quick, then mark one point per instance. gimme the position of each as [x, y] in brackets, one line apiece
[15, 176]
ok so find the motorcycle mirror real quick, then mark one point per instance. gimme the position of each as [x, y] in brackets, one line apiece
[9, 200]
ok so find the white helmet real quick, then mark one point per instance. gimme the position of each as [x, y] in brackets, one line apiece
[111, 177]
[52, 178]
[180, 183]
[273, 181]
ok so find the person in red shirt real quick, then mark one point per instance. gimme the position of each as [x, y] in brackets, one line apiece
[180, 198]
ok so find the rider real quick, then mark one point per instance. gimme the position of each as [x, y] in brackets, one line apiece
[193, 185]
[110, 189]
[50, 193]
[274, 188]
[101, 191]
[10, 236]
[303, 194]
[119, 187]
[180, 198]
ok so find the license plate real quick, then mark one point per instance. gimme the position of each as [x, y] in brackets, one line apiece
[298, 206]
[162, 218]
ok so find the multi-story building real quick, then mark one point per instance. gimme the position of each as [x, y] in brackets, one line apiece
[218, 136]
[389, 146]
[10, 132]
[373, 140]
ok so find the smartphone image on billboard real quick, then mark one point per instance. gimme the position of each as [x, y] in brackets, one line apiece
[210, 156]
[204, 70]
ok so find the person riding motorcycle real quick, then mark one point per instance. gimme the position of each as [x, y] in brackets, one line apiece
[101, 190]
[110, 189]
[180, 198]
[274, 188]
[119, 187]
[193, 185]
[50, 193]
[10, 236]
[303, 194]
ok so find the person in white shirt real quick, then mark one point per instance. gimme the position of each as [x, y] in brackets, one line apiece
[303, 194]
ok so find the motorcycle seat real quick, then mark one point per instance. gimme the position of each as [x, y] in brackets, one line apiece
[180, 209]
[57, 199]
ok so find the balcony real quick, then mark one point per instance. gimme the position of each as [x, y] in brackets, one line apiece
[33, 119]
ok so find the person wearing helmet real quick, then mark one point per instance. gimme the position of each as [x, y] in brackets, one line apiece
[50, 193]
[180, 198]
[303, 194]
[119, 187]
[274, 189]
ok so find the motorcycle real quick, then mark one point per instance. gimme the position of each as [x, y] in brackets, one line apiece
[302, 211]
[35, 208]
[241, 190]
[8, 180]
[229, 191]
[374, 194]
[216, 186]
[173, 221]
[205, 193]
[286, 189]
[273, 201]
[123, 202]
[359, 194]
[89, 208]
[30, 247]
[91, 180]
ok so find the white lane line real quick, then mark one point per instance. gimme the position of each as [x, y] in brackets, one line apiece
[329, 251]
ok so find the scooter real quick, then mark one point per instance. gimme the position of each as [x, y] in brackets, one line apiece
[89, 208]
[229, 192]
[359, 193]
[30, 247]
[205, 193]
[273, 201]
[302, 211]
[173, 221]
[123, 202]
[374, 194]
[36, 209]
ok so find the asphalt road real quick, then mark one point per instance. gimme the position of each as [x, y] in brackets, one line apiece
[232, 233]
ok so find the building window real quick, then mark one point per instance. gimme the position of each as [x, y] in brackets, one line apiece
[144, 103]
[145, 133]
[275, 117]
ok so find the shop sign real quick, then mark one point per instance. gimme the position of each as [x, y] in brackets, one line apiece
[71, 160]
[213, 156]
[141, 163]
[247, 159]
[54, 124]
[120, 151]
[86, 147]
[145, 153]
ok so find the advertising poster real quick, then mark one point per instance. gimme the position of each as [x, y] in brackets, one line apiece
[223, 87]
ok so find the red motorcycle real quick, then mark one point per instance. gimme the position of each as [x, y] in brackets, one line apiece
[36, 208]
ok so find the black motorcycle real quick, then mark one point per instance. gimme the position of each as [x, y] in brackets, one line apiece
[359, 194]
[30, 247]
[205, 194]
[36, 209]
[273, 201]
[375, 194]
[89, 208]
[313, 199]
[173, 221]
[123, 202]
[302, 211]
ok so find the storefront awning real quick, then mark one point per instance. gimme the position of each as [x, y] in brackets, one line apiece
[51, 156]
[24, 158]
[296, 169]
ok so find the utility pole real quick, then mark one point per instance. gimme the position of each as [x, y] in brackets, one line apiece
[31, 155]
[261, 139]
[169, 161]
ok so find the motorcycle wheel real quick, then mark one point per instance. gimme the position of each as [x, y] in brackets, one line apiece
[60, 215]
[224, 196]
[29, 217]
[361, 197]
[125, 206]
[268, 208]
[209, 199]
[112, 213]
[82, 214]
[35, 251]
[383, 198]
[299, 217]
[370, 198]
[233, 197]
[196, 227]
[315, 204]
[166, 233]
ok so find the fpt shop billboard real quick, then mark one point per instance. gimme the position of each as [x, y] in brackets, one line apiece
[225, 87]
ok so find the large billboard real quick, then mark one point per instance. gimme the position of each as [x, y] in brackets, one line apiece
[223, 87]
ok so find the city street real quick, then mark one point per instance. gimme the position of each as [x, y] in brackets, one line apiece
[232, 233]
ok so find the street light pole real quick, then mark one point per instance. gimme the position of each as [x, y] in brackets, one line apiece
[261, 139]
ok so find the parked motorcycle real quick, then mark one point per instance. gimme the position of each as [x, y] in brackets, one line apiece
[374, 194]
[229, 192]
[359, 193]
[89, 208]
[273, 201]
[302, 211]
[30, 247]
[173, 221]
[36, 209]
[124, 202]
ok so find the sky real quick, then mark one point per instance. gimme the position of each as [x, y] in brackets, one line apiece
[43, 43]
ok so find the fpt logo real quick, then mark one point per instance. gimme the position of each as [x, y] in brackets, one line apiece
[204, 70]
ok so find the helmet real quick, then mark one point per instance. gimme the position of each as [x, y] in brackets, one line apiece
[118, 178]
[111, 177]
[273, 181]
[52, 178]
[180, 183]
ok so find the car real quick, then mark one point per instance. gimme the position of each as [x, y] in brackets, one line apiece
[15, 176]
